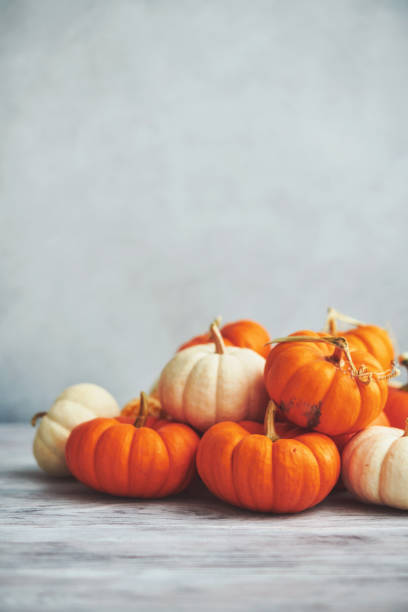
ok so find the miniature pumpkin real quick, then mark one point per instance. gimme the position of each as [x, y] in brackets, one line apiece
[244, 333]
[132, 460]
[208, 383]
[75, 405]
[396, 407]
[375, 466]
[342, 440]
[284, 470]
[370, 338]
[132, 408]
[318, 384]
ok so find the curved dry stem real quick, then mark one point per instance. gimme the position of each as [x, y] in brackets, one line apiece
[217, 321]
[362, 373]
[334, 315]
[365, 375]
[217, 339]
[38, 415]
[143, 411]
[338, 341]
[269, 422]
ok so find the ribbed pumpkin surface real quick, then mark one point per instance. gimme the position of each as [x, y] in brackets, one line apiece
[373, 339]
[251, 471]
[317, 391]
[396, 407]
[115, 457]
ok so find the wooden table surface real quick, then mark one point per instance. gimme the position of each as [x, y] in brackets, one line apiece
[65, 547]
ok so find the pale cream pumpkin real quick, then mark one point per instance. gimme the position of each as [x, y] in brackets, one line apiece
[75, 405]
[208, 383]
[375, 466]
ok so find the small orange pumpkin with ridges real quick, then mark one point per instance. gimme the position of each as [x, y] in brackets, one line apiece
[281, 470]
[319, 384]
[147, 458]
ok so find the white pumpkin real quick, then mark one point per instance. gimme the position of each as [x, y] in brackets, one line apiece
[207, 383]
[75, 405]
[375, 466]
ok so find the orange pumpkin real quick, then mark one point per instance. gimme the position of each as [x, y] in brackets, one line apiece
[244, 333]
[396, 407]
[132, 408]
[146, 459]
[370, 338]
[318, 384]
[283, 470]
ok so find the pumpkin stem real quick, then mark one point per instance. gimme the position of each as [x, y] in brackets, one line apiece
[143, 411]
[385, 375]
[38, 415]
[269, 421]
[337, 356]
[406, 429]
[217, 321]
[217, 339]
[331, 325]
[334, 315]
[338, 341]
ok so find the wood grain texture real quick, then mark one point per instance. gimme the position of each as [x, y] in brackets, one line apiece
[65, 547]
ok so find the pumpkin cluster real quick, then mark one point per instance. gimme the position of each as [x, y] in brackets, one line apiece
[268, 425]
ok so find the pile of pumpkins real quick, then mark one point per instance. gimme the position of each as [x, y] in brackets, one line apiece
[269, 425]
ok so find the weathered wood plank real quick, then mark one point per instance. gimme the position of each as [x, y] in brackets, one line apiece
[64, 547]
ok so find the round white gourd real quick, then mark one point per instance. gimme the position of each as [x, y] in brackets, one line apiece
[375, 466]
[208, 383]
[75, 405]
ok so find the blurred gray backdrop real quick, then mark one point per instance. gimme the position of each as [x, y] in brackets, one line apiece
[166, 162]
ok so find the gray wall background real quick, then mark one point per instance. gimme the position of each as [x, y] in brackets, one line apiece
[164, 162]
